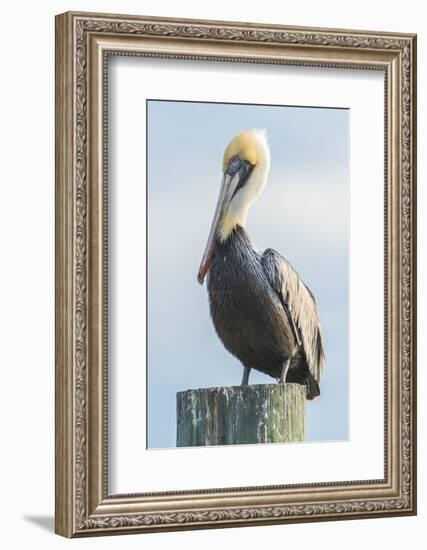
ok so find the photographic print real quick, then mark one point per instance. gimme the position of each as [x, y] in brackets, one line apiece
[235, 274]
[253, 202]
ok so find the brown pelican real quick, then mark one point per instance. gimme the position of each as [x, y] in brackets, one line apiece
[261, 309]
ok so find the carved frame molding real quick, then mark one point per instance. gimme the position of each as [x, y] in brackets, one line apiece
[83, 43]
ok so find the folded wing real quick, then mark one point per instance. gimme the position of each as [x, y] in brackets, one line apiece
[300, 305]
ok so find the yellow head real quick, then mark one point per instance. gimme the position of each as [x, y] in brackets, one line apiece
[245, 146]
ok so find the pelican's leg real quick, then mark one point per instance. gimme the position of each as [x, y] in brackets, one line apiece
[285, 368]
[245, 379]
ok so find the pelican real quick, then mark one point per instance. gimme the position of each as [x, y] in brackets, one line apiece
[261, 309]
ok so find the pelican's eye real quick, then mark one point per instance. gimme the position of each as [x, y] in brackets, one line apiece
[240, 168]
[234, 166]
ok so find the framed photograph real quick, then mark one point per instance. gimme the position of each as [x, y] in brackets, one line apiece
[235, 274]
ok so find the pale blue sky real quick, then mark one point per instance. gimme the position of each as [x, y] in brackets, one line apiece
[302, 213]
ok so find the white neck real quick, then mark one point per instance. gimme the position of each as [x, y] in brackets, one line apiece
[238, 209]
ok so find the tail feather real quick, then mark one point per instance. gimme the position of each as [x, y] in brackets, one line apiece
[312, 387]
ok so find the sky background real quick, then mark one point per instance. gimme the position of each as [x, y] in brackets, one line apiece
[303, 213]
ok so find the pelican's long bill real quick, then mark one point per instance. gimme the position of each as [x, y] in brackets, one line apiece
[228, 187]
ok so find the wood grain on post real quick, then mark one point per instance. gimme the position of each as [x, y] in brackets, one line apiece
[258, 413]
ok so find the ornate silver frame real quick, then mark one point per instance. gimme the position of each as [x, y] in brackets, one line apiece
[83, 505]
